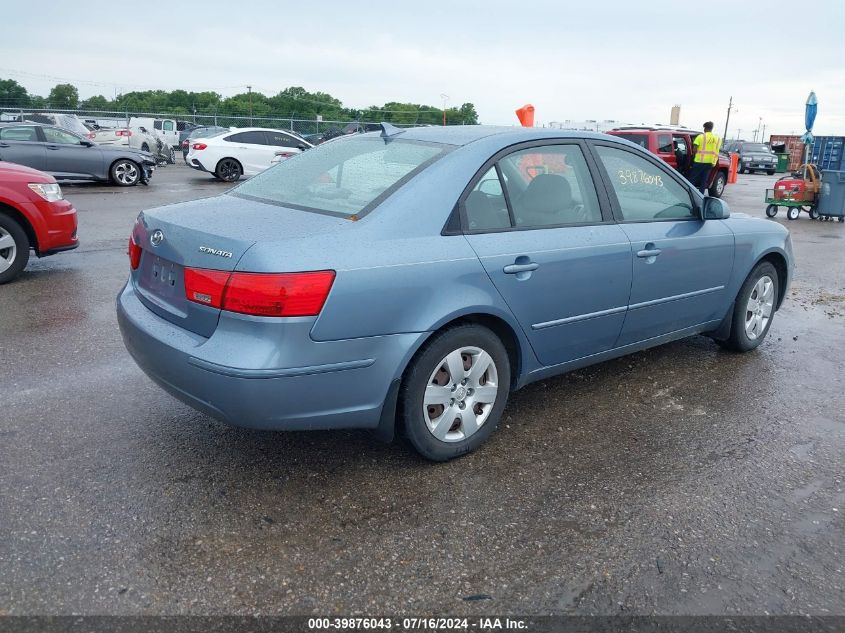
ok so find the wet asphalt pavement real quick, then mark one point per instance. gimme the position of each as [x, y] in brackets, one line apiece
[680, 480]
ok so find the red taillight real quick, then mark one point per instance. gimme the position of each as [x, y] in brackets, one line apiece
[91, 135]
[260, 294]
[123, 133]
[134, 253]
[185, 143]
[199, 146]
[205, 286]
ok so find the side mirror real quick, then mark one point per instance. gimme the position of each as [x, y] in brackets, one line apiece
[302, 147]
[87, 143]
[715, 209]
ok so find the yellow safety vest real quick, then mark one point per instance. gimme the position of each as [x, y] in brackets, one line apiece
[707, 148]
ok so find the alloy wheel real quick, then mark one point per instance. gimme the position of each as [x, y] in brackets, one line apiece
[460, 394]
[126, 173]
[759, 308]
[8, 250]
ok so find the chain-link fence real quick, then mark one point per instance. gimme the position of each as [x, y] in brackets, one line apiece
[111, 118]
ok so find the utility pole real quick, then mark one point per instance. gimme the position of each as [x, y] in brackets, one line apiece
[757, 131]
[763, 135]
[445, 99]
[728, 118]
[249, 90]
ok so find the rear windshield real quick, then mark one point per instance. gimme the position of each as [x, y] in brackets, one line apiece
[639, 139]
[755, 147]
[345, 177]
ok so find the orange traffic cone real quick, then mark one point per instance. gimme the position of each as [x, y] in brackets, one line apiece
[526, 115]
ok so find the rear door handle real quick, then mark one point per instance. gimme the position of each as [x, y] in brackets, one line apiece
[513, 269]
[4, 145]
[52, 147]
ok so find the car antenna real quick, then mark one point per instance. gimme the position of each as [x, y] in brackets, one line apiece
[388, 130]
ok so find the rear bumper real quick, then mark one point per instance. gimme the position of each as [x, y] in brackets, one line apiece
[196, 164]
[266, 374]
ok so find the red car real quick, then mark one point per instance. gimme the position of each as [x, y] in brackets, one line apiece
[675, 146]
[33, 214]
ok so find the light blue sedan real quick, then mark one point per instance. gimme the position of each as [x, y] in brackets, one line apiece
[411, 279]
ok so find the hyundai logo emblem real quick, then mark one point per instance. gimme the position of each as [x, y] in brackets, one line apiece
[157, 237]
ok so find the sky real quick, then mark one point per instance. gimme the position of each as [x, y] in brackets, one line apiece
[623, 61]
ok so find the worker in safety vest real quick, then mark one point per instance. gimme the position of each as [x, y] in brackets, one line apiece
[706, 157]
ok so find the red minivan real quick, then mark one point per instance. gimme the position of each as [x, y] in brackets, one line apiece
[674, 145]
[33, 215]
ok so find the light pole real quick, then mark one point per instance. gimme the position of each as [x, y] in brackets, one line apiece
[249, 90]
[728, 118]
[445, 98]
[757, 131]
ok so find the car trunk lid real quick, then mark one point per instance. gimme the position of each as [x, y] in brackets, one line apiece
[212, 234]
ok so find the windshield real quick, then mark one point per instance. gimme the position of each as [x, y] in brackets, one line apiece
[756, 147]
[347, 177]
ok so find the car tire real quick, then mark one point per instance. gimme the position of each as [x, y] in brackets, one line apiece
[771, 211]
[718, 187]
[425, 413]
[125, 173]
[228, 170]
[792, 213]
[758, 295]
[171, 158]
[14, 257]
[771, 172]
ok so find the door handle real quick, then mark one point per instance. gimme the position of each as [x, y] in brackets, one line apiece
[513, 269]
[52, 147]
[649, 251]
[4, 145]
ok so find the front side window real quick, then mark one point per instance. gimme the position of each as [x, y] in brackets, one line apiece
[345, 177]
[280, 139]
[644, 191]
[549, 186]
[22, 133]
[664, 143]
[55, 135]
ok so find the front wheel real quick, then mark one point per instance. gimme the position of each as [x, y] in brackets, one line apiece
[718, 187]
[771, 210]
[454, 392]
[754, 309]
[792, 213]
[814, 214]
[125, 173]
[14, 249]
[228, 170]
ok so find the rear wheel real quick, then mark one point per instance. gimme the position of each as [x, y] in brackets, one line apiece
[814, 215]
[718, 187]
[792, 213]
[454, 392]
[228, 170]
[771, 172]
[771, 210]
[754, 309]
[14, 249]
[125, 173]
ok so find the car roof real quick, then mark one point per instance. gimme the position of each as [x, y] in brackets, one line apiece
[464, 134]
[648, 128]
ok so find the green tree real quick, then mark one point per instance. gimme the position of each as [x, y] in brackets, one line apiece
[12, 94]
[468, 114]
[64, 96]
[97, 102]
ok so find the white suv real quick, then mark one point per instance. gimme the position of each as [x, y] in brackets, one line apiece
[242, 151]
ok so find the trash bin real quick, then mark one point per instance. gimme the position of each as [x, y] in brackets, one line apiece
[783, 163]
[832, 194]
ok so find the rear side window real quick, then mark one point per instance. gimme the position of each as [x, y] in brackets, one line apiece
[253, 138]
[664, 143]
[345, 177]
[22, 133]
[644, 191]
[549, 186]
[639, 139]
